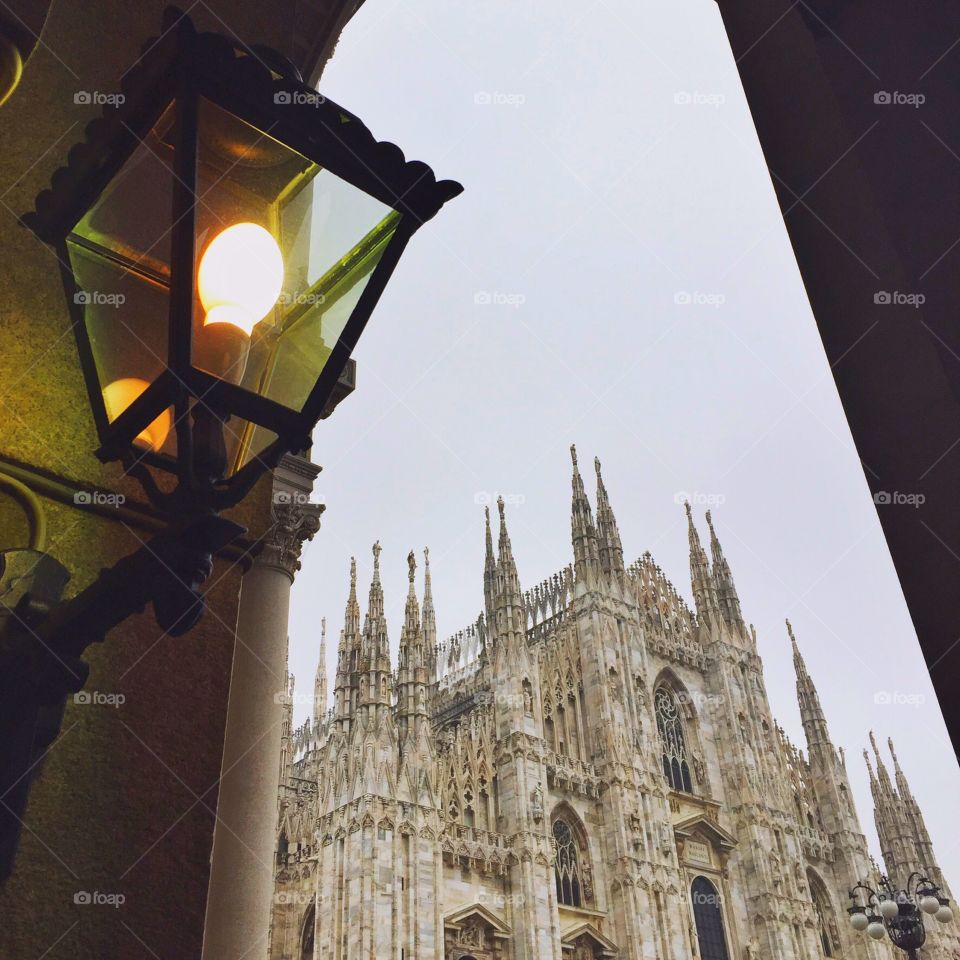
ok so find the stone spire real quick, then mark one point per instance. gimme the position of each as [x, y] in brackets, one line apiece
[726, 589]
[883, 778]
[811, 712]
[489, 571]
[320, 682]
[904, 838]
[586, 554]
[348, 654]
[610, 547]
[508, 625]
[376, 674]
[413, 669]
[429, 617]
[701, 579]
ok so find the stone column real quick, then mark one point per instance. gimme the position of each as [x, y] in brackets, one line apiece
[242, 864]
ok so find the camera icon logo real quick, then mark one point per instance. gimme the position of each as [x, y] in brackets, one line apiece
[882, 97]
[282, 97]
[82, 97]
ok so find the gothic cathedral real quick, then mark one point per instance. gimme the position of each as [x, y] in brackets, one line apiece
[592, 769]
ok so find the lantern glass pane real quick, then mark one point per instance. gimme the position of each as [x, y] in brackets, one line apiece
[119, 255]
[285, 249]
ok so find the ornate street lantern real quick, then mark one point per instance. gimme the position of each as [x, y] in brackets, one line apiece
[898, 914]
[224, 233]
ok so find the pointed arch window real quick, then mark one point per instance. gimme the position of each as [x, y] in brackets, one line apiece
[708, 918]
[306, 937]
[568, 867]
[676, 769]
[823, 913]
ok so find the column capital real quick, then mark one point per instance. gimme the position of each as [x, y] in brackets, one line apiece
[294, 518]
[293, 524]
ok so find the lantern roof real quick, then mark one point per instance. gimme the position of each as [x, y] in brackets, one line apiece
[258, 85]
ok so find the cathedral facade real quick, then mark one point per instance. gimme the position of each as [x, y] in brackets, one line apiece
[590, 770]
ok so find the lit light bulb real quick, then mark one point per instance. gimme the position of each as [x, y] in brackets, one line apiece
[240, 276]
[117, 396]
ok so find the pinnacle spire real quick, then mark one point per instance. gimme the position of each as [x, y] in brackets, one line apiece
[320, 682]
[726, 589]
[610, 547]
[429, 615]
[411, 619]
[348, 652]
[701, 579]
[489, 569]
[882, 776]
[586, 554]
[811, 712]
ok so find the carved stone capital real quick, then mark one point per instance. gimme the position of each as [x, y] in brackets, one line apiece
[293, 524]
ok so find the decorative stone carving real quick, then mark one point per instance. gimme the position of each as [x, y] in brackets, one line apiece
[293, 525]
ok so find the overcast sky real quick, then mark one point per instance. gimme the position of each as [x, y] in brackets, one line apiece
[616, 275]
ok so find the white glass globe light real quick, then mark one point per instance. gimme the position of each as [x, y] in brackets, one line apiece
[876, 930]
[240, 276]
[889, 909]
[929, 904]
[944, 914]
[859, 921]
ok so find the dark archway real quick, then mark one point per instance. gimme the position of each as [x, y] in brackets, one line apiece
[307, 935]
[708, 916]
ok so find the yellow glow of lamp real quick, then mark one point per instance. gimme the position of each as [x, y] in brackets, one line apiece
[117, 396]
[240, 276]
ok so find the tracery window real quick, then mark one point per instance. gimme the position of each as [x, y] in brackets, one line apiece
[568, 869]
[708, 918]
[823, 912]
[670, 727]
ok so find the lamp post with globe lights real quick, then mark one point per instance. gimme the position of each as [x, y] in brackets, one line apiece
[898, 913]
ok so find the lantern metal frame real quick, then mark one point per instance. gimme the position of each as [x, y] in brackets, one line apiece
[257, 87]
[42, 636]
